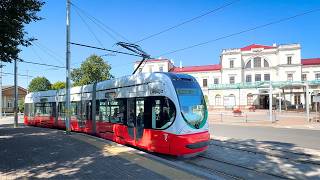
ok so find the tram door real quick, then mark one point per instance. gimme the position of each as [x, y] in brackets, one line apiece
[131, 118]
[135, 118]
[139, 118]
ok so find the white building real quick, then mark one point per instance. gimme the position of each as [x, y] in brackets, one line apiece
[243, 76]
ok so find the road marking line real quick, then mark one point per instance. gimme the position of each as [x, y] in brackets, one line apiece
[129, 154]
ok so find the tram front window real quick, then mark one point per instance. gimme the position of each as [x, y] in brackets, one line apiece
[192, 103]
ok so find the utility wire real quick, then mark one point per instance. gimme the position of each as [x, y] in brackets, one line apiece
[47, 51]
[88, 27]
[114, 51]
[42, 64]
[187, 21]
[243, 31]
[97, 22]
[17, 74]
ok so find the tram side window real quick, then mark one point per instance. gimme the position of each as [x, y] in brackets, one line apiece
[163, 112]
[44, 109]
[102, 113]
[112, 110]
[62, 109]
[29, 109]
[86, 110]
[74, 108]
[140, 112]
[117, 110]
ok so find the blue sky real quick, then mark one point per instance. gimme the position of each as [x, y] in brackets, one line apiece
[135, 19]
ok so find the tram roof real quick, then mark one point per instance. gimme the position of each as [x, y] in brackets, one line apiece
[128, 80]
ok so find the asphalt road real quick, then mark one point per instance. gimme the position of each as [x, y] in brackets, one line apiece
[284, 136]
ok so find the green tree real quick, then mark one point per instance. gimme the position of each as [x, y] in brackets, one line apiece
[15, 14]
[39, 84]
[58, 85]
[93, 69]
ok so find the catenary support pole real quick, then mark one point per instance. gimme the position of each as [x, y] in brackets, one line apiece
[270, 101]
[68, 113]
[307, 102]
[15, 106]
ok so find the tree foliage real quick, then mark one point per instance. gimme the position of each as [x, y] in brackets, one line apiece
[58, 85]
[15, 14]
[39, 84]
[93, 69]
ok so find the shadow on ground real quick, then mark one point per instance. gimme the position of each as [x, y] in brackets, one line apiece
[38, 153]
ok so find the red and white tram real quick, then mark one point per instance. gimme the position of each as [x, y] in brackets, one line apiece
[159, 112]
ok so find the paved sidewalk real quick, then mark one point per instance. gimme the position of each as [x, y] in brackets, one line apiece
[38, 153]
[284, 120]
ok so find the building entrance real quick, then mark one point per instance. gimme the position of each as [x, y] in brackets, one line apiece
[264, 101]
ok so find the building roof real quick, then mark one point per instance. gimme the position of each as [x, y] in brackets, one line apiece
[252, 46]
[197, 68]
[310, 61]
[10, 86]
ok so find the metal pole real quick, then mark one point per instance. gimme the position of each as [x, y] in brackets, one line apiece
[68, 115]
[270, 101]
[316, 106]
[280, 98]
[239, 97]
[307, 101]
[15, 106]
[1, 90]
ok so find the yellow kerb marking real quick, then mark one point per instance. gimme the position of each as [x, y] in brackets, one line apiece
[127, 154]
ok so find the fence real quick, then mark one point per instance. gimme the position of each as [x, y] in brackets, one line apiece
[261, 117]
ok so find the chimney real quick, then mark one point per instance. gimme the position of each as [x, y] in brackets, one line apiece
[180, 64]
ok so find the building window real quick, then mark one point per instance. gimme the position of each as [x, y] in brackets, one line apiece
[317, 76]
[304, 77]
[290, 77]
[265, 63]
[161, 68]
[205, 83]
[257, 62]
[248, 78]
[231, 80]
[231, 63]
[297, 99]
[216, 81]
[289, 60]
[249, 99]
[257, 77]
[266, 77]
[9, 104]
[248, 65]
[218, 101]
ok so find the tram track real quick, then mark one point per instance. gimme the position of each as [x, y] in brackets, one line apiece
[226, 159]
[263, 151]
[255, 170]
[216, 171]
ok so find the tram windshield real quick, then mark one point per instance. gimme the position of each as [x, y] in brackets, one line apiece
[192, 103]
